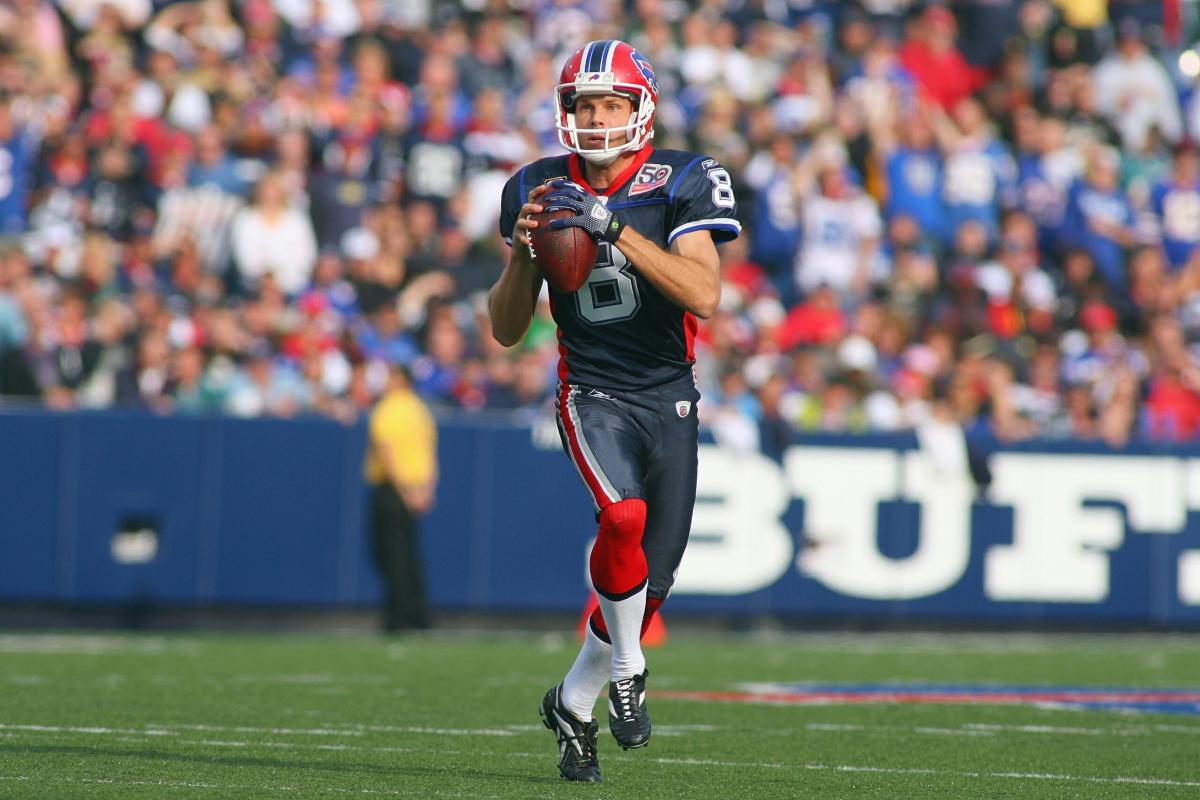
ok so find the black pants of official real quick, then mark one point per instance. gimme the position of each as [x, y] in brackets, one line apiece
[398, 558]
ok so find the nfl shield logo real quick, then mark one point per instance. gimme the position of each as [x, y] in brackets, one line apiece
[683, 408]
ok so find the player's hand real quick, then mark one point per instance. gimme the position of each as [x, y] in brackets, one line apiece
[590, 214]
[532, 206]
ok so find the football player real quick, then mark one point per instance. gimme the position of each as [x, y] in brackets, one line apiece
[627, 395]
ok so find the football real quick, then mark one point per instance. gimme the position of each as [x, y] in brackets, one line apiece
[564, 257]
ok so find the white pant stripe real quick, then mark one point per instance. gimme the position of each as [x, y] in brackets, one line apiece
[575, 434]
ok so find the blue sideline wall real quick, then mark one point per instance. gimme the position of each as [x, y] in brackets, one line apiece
[273, 513]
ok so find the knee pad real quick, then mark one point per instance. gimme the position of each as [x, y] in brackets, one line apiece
[618, 564]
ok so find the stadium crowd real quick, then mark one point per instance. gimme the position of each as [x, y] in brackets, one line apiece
[983, 211]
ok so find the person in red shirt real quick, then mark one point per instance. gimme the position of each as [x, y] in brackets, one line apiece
[1172, 407]
[818, 320]
[934, 62]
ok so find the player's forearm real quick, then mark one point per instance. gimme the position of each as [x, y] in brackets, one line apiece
[688, 282]
[512, 301]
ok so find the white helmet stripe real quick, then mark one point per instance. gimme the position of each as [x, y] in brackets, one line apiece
[587, 53]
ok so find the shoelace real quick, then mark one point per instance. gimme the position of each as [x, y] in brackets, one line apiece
[625, 699]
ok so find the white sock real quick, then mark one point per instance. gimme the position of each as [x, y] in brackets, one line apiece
[588, 676]
[624, 621]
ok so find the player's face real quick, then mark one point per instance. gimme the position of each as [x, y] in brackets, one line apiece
[602, 112]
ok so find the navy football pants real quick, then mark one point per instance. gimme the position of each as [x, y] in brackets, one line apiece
[638, 445]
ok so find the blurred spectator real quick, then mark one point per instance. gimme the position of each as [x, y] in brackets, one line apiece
[980, 177]
[271, 237]
[266, 386]
[1134, 91]
[17, 150]
[930, 56]
[913, 173]
[344, 183]
[842, 230]
[1176, 202]
[201, 207]
[939, 227]
[1173, 401]
[1098, 218]
[775, 217]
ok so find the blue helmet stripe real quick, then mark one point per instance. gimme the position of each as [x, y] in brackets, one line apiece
[595, 56]
[610, 52]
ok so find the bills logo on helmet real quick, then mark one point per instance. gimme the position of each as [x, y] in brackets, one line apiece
[649, 178]
[644, 67]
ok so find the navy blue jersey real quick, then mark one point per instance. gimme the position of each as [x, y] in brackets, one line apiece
[618, 330]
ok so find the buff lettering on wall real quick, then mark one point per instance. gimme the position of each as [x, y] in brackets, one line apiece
[738, 542]
[1069, 514]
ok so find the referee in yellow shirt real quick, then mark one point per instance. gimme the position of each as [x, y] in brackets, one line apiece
[401, 467]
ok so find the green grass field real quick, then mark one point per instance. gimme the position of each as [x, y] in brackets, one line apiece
[453, 715]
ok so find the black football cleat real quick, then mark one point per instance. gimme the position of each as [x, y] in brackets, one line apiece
[576, 739]
[628, 718]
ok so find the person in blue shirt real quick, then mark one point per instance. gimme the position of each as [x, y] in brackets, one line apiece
[1099, 218]
[213, 166]
[1041, 189]
[17, 150]
[1176, 203]
[978, 174]
[776, 212]
[383, 336]
[914, 177]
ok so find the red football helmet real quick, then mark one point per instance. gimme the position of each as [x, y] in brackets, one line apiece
[607, 67]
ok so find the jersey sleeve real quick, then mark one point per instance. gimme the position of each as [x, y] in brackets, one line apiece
[511, 200]
[702, 198]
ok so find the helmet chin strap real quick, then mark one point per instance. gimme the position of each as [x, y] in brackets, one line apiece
[599, 159]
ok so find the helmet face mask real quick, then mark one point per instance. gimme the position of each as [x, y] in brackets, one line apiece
[606, 68]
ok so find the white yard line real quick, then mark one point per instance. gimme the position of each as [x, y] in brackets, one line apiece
[348, 731]
[25, 680]
[291, 745]
[316, 681]
[114, 782]
[1176, 728]
[439, 731]
[837, 727]
[952, 732]
[1053, 729]
[167, 784]
[848, 768]
[174, 729]
[70, 644]
[1117, 779]
[358, 731]
[351, 730]
[85, 729]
